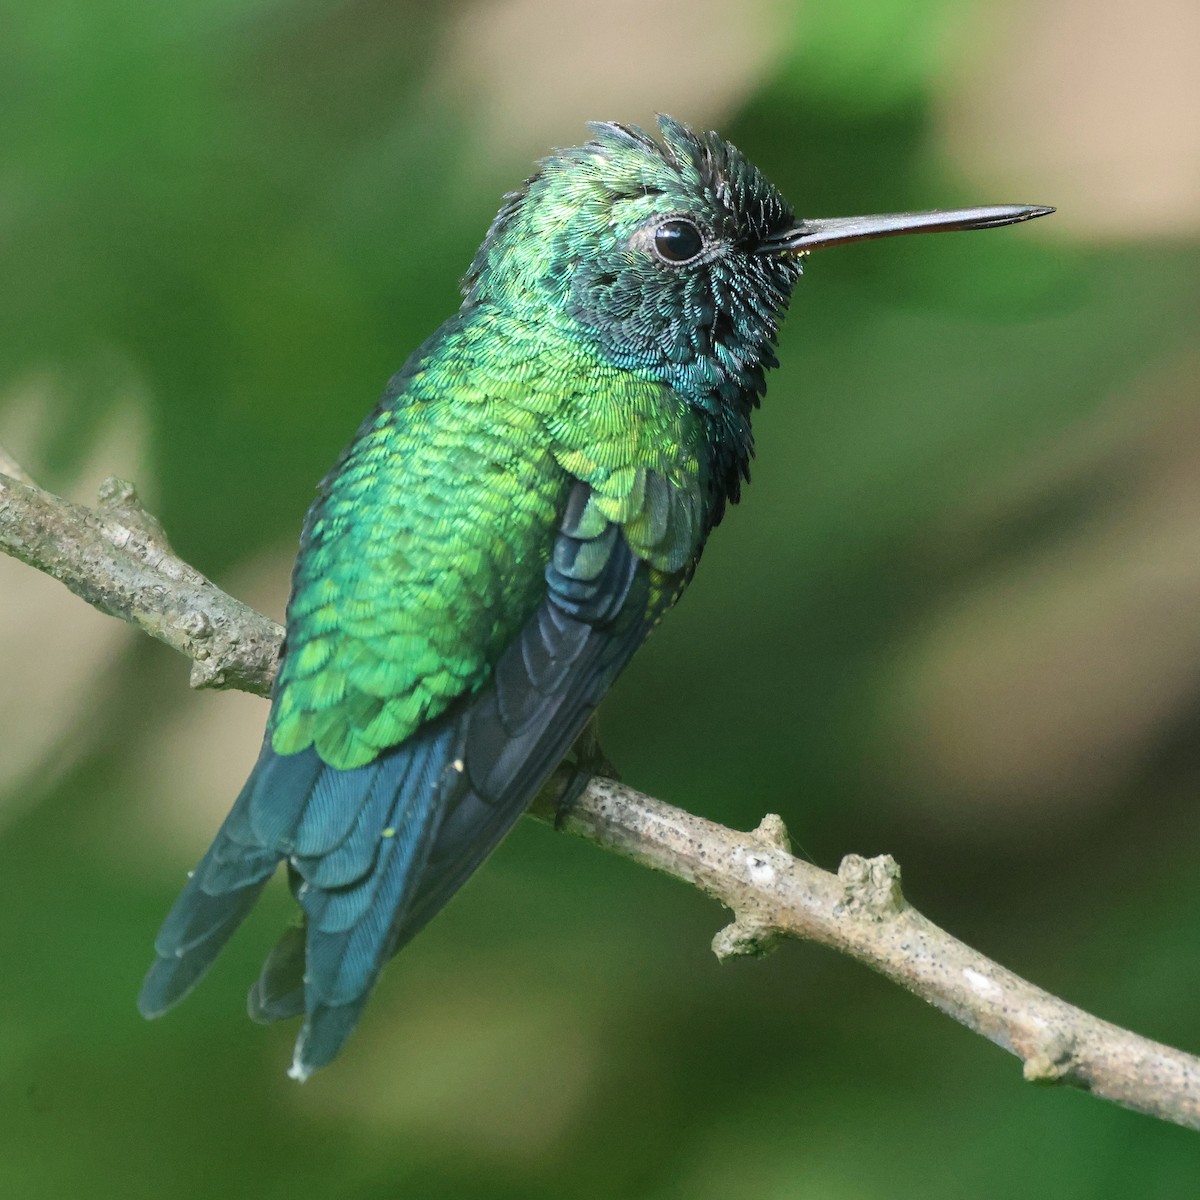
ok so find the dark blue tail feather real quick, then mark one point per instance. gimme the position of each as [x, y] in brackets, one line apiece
[348, 928]
[330, 824]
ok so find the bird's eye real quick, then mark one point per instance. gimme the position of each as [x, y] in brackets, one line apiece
[678, 241]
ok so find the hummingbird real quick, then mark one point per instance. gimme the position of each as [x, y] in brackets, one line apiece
[528, 499]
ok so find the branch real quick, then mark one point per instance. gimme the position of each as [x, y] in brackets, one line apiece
[861, 912]
[118, 559]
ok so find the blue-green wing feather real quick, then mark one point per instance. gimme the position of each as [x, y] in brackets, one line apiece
[546, 686]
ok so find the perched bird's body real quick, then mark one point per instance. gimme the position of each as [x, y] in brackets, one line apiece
[528, 499]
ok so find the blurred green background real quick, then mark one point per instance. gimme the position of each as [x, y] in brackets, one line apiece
[955, 619]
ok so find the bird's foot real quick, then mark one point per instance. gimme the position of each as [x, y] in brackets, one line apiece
[586, 759]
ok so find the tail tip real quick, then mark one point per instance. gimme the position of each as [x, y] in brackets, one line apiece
[160, 991]
[299, 1070]
[151, 1012]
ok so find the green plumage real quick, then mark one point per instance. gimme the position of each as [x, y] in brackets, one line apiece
[530, 496]
[426, 554]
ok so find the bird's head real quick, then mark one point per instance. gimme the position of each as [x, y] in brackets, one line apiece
[676, 259]
[651, 251]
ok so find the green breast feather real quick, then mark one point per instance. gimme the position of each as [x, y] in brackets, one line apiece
[425, 555]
